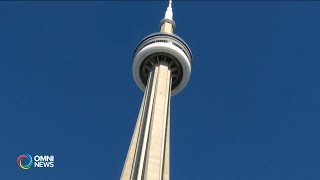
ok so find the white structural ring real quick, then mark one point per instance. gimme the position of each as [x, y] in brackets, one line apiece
[162, 47]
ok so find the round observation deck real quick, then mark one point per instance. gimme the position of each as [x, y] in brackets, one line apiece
[164, 48]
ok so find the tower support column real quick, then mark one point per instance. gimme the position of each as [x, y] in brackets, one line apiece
[149, 151]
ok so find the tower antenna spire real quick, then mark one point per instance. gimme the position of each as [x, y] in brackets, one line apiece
[167, 25]
[169, 13]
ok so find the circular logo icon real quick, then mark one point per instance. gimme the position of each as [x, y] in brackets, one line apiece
[24, 156]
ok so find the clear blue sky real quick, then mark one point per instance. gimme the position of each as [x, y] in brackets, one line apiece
[251, 110]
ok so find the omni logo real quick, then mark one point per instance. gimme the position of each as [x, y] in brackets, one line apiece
[24, 156]
[39, 161]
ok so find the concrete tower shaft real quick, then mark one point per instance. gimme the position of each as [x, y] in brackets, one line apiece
[161, 68]
[148, 155]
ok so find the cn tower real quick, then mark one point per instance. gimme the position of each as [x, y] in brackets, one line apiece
[161, 68]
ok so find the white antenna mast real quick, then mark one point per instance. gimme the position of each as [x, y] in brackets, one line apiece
[167, 24]
[169, 13]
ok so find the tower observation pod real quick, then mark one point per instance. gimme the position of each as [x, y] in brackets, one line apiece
[161, 68]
